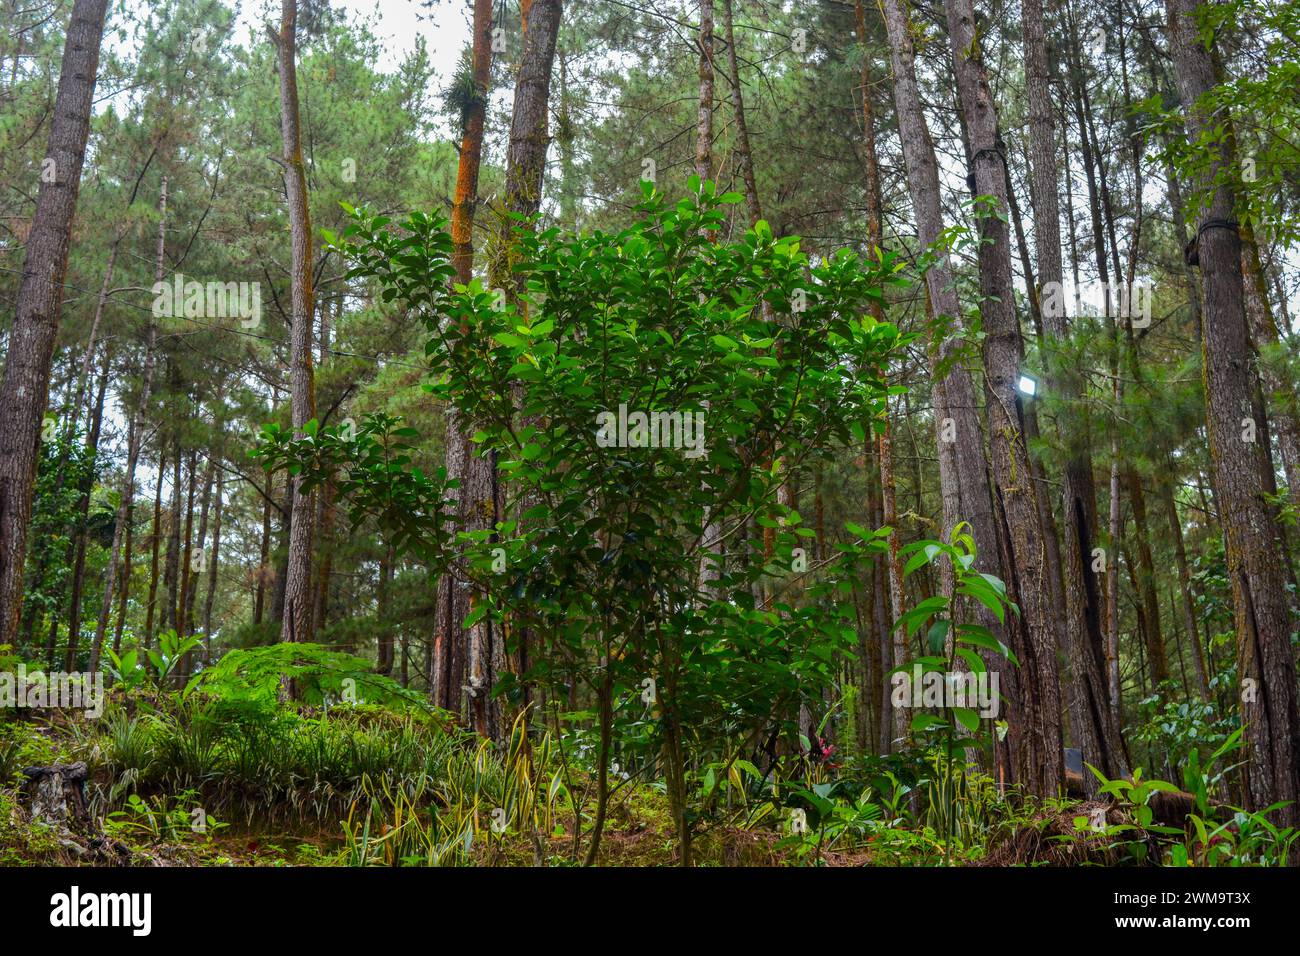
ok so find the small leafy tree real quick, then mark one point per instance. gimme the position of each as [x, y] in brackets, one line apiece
[643, 413]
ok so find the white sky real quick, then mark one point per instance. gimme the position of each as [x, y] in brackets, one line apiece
[446, 27]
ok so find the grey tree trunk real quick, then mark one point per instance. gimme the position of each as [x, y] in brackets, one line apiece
[214, 559]
[296, 624]
[704, 115]
[960, 440]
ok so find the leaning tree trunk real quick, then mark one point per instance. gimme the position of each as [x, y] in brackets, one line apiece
[25, 389]
[297, 621]
[1265, 664]
[1039, 763]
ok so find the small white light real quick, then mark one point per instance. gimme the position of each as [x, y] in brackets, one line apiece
[1028, 385]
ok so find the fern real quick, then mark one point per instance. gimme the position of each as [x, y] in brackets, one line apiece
[255, 675]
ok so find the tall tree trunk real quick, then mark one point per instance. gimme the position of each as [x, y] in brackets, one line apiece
[296, 623]
[264, 556]
[744, 157]
[963, 477]
[1039, 764]
[1184, 583]
[213, 559]
[172, 560]
[155, 549]
[1265, 665]
[481, 501]
[1146, 580]
[197, 560]
[1094, 727]
[327, 505]
[184, 600]
[384, 657]
[471, 146]
[894, 567]
[1283, 404]
[447, 656]
[117, 577]
[80, 539]
[25, 389]
[704, 114]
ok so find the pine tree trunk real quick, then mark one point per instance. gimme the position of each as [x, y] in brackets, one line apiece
[1284, 407]
[481, 503]
[117, 577]
[80, 539]
[1185, 585]
[1039, 762]
[704, 114]
[471, 147]
[964, 478]
[384, 662]
[172, 559]
[1094, 727]
[894, 569]
[1265, 664]
[213, 560]
[264, 556]
[296, 622]
[155, 549]
[25, 388]
[447, 656]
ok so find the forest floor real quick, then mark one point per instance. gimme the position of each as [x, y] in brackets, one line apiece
[188, 782]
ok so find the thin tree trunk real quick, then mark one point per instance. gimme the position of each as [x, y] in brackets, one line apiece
[1146, 580]
[155, 548]
[384, 662]
[264, 556]
[213, 559]
[119, 576]
[1184, 584]
[83, 512]
[172, 560]
[471, 147]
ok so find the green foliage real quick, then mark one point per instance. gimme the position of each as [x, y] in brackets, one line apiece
[256, 677]
[601, 563]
